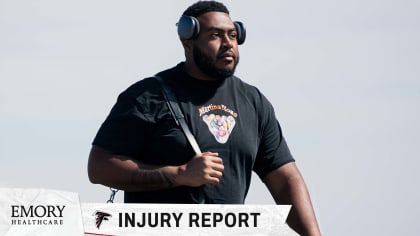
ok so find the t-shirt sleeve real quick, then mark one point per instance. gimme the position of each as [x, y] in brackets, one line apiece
[273, 151]
[124, 130]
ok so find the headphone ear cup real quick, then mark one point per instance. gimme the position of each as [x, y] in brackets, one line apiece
[188, 27]
[241, 32]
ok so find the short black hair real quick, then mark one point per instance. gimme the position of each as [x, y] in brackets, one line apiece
[201, 7]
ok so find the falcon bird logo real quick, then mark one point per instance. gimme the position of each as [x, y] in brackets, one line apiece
[101, 216]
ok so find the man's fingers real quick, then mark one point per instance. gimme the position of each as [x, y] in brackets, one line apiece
[215, 174]
[208, 155]
[213, 180]
[217, 160]
[218, 167]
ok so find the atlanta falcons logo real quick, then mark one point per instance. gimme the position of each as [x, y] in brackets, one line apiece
[101, 216]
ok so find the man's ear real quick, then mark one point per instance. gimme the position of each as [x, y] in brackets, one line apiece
[187, 44]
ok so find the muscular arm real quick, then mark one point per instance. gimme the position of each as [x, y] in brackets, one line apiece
[287, 186]
[125, 173]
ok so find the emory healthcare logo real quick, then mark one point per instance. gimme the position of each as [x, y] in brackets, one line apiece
[37, 214]
[100, 217]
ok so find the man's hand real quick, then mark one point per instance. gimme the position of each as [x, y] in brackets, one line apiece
[206, 168]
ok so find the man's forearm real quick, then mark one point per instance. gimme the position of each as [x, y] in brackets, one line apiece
[124, 173]
[287, 186]
[127, 174]
[153, 178]
[302, 216]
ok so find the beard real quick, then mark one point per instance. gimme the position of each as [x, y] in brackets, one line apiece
[208, 65]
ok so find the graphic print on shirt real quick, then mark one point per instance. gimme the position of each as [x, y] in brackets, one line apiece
[220, 125]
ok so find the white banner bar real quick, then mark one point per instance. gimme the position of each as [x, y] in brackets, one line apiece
[51, 212]
[185, 219]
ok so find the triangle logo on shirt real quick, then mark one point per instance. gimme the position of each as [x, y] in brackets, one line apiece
[220, 126]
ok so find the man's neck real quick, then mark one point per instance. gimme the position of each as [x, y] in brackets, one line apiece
[195, 72]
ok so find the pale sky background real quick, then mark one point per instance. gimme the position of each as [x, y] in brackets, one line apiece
[343, 76]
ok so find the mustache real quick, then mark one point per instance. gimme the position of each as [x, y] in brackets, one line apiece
[226, 53]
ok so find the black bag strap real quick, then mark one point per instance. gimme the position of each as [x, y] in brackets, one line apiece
[176, 111]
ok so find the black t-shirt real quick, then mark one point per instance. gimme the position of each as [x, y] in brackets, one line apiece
[228, 116]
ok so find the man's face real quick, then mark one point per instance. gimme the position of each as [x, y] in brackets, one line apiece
[215, 51]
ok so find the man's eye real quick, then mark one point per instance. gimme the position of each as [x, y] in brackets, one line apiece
[233, 36]
[215, 34]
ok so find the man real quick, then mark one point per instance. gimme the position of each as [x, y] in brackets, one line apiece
[141, 150]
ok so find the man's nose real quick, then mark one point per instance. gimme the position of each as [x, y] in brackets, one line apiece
[228, 41]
